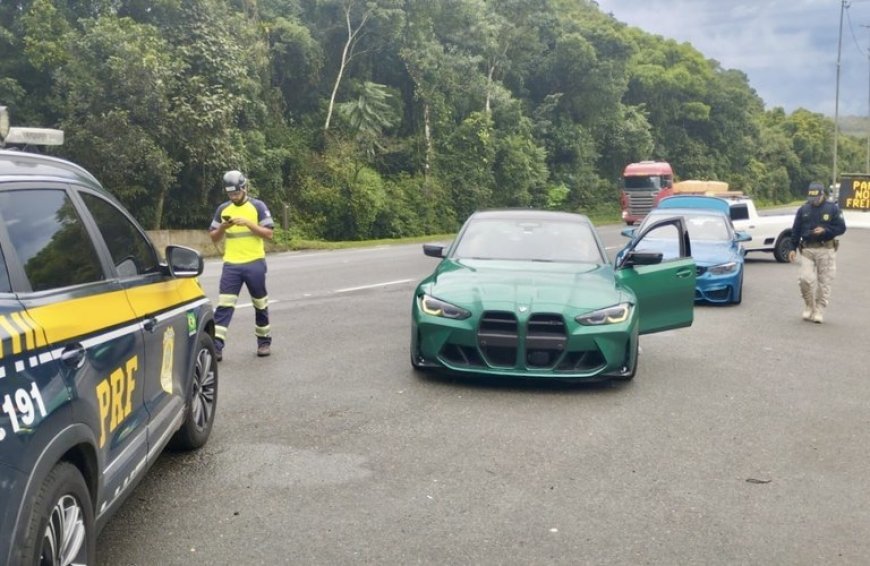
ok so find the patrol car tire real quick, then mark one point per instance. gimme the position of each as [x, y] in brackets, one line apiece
[62, 514]
[201, 398]
[782, 247]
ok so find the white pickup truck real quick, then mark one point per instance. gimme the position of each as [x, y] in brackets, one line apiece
[769, 233]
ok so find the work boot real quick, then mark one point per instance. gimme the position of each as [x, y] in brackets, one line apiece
[809, 308]
[817, 316]
[263, 350]
[218, 349]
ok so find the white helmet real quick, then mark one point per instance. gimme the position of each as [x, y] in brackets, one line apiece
[234, 181]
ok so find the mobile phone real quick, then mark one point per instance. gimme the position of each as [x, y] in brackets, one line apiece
[225, 218]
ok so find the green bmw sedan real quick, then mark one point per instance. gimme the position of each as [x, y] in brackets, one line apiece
[531, 294]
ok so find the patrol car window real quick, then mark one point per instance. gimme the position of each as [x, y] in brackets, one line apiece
[5, 287]
[131, 252]
[49, 239]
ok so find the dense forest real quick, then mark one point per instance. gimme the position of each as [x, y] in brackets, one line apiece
[387, 118]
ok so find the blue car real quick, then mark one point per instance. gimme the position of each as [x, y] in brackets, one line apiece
[716, 246]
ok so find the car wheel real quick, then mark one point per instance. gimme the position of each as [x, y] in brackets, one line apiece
[201, 399]
[782, 247]
[61, 530]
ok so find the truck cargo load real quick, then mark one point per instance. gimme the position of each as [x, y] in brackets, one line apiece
[694, 186]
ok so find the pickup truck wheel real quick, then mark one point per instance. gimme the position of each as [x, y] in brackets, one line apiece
[782, 247]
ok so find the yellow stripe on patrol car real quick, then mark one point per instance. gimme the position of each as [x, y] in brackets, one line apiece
[37, 331]
[87, 315]
[80, 317]
[26, 331]
[13, 333]
[161, 296]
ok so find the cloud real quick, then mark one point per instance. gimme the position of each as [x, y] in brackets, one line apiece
[787, 48]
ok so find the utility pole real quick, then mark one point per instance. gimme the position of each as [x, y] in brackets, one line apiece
[843, 6]
[867, 163]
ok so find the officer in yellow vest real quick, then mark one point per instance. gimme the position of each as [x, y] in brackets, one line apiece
[245, 222]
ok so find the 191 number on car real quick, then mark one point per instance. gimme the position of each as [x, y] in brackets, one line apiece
[22, 407]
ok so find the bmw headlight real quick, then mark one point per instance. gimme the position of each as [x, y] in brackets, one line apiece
[436, 307]
[610, 315]
[724, 268]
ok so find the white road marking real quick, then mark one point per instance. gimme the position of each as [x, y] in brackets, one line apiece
[372, 286]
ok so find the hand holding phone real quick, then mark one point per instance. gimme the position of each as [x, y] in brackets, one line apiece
[226, 219]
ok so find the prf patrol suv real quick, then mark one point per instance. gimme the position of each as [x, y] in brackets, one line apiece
[106, 357]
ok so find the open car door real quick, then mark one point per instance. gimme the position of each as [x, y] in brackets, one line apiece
[664, 282]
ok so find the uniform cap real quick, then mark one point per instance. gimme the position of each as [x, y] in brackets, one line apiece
[816, 190]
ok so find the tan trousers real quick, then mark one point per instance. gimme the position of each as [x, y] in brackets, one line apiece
[817, 269]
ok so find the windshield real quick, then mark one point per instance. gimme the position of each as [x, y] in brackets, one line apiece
[701, 226]
[529, 240]
[643, 183]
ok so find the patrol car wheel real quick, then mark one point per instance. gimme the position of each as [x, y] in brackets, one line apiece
[201, 400]
[782, 247]
[61, 530]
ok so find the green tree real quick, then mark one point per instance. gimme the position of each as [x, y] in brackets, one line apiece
[368, 116]
[116, 101]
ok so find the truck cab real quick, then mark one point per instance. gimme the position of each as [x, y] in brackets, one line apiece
[643, 185]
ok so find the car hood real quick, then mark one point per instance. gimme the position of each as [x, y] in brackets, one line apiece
[707, 253]
[539, 286]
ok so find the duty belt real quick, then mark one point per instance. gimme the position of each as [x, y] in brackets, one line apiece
[826, 244]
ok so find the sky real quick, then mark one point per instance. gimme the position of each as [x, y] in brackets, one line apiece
[787, 48]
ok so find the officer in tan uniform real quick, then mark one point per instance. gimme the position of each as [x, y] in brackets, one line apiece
[817, 224]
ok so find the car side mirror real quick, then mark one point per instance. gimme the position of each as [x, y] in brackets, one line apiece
[642, 258]
[433, 250]
[743, 236]
[628, 232]
[184, 262]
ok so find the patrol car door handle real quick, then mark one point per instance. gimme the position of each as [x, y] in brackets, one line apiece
[73, 355]
[150, 324]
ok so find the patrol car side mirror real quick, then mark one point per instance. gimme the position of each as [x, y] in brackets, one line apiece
[184, 262]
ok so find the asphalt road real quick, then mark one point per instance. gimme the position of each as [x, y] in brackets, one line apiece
[744, 439]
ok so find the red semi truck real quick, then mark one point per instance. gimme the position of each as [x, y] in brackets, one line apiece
[644, 184]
